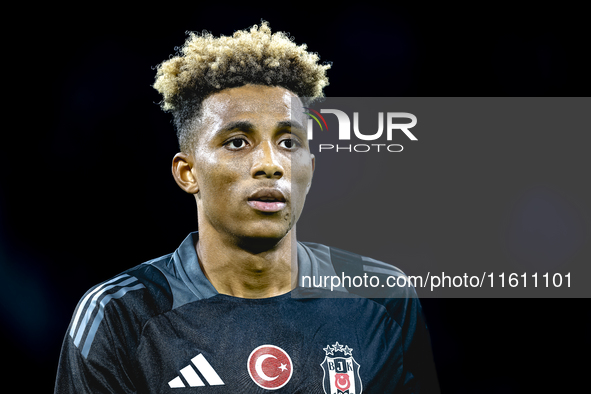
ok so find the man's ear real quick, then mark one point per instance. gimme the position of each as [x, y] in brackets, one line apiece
[182, 170]
[313, 166]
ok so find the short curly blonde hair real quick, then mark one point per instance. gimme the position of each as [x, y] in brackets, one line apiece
[205, 65]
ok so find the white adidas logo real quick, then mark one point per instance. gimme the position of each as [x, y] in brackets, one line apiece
[193, 379]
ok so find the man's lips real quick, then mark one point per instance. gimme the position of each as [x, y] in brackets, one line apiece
[267, 200]
[266, 206]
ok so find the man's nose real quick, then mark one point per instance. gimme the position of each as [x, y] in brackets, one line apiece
[267, 162]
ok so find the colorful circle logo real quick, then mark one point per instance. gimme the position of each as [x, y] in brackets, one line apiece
[269, 367]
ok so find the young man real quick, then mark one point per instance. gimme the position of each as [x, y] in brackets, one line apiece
[225, 313]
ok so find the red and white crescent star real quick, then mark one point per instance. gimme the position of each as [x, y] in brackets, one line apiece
[269, 367]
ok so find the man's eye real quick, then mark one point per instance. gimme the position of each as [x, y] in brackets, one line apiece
[236, 143]
[288, 144]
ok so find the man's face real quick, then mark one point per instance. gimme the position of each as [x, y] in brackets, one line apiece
[252, 163]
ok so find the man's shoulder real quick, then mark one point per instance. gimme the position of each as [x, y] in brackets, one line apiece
[358, 274]
[343, 259]
[151, 283]
[126, 300]
[147, 276]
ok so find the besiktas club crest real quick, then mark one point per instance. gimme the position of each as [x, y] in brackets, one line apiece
[341, 371]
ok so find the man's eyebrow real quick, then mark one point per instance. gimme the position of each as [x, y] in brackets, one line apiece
[290, 124]
[238, 124]
[247, 125]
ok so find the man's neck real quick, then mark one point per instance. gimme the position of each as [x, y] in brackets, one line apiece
[238, 272]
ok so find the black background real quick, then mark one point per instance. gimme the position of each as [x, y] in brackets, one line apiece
[86, 189]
